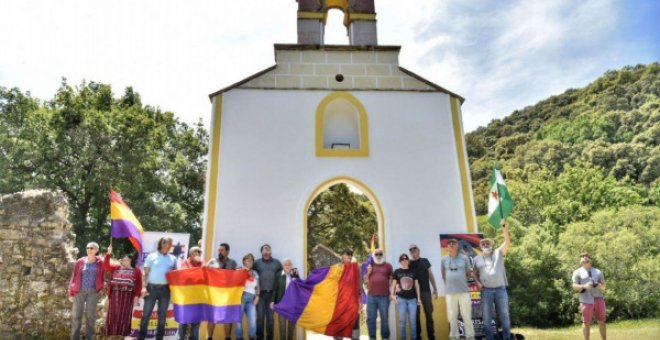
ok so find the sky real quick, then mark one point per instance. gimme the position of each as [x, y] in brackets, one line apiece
[499, 55]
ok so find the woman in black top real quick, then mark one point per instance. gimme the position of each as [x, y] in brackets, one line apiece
[405, 294]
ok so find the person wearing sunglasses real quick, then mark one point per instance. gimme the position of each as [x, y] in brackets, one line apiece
[455, 269]
[422, 266]
[84, 287]
[378, 279]
[590, 283]
[405, 294]
[491, 279]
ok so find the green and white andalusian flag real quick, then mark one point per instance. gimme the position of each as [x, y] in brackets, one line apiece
[500, 203]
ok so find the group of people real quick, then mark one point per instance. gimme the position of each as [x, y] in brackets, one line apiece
[266, 283]
[411, 287]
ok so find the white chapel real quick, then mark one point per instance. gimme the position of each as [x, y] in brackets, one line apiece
[328, 114]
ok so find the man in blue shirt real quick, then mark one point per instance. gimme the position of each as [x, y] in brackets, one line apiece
[156, 266]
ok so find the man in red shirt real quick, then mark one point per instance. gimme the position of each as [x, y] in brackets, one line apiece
[378, 278]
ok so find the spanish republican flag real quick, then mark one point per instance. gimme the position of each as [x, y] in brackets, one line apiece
[326, 302]
[207, 294]
[123, 223]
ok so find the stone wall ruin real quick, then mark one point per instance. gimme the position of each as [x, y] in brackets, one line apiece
[37, 255]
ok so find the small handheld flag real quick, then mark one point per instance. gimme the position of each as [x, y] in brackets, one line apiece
[500, 203]
[123, 223]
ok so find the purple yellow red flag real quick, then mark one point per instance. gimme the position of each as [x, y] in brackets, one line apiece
[326, 302]
[207, 294]
[123, 223]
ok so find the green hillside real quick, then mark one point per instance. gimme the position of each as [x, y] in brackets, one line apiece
[583, 168]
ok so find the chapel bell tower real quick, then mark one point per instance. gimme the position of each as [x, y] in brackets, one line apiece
[359, 19]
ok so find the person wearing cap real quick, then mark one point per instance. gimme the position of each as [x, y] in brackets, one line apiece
[222, 262]
[455, 269]
[379, 279]
[194, 260]
[405, 293]
[491, 279]
[156, 266]
[347, 258]
[266, 267]
[425, 276]
[590, 282]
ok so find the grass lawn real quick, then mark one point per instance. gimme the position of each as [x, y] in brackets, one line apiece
[622, 330]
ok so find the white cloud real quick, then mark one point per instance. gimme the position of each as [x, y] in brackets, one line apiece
[504, 56]
[500, 56]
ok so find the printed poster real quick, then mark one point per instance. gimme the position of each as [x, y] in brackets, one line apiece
[468, 245]
[180, 251]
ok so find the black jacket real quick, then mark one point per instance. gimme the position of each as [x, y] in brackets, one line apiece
[280, 285]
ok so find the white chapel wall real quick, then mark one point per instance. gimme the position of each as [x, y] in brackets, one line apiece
[268, 169]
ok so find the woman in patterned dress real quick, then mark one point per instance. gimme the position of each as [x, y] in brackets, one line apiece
[123, 293]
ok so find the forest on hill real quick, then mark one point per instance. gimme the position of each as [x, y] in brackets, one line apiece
[583, 168]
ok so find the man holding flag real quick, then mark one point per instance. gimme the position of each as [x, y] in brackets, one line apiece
[489, 266]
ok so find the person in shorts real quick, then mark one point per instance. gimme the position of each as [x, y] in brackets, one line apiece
[590, 283]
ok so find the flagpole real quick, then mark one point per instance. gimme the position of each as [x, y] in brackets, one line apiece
[110, 229]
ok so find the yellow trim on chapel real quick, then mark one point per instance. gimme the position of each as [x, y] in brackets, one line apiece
[339, 4]
[468, 205]
[362, 16]
[311, 15]
[378, 208]
[214, 156]
[363, 151]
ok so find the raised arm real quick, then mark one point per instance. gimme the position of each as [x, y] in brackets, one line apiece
[107, 266]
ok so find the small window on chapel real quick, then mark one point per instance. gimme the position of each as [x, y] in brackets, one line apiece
[341, 127]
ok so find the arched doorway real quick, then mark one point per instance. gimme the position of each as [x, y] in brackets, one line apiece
[357, 187]
[359, 193]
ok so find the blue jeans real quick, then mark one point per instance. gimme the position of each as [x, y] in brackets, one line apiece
[501, 299]
[380, 305]
[162, 294]
[407, 310]
[194, 331]
[250, 310]
[264, 312]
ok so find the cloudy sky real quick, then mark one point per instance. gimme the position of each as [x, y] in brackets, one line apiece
[499, 55]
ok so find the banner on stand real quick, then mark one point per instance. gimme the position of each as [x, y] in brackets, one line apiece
[468, 245]
[180, 251]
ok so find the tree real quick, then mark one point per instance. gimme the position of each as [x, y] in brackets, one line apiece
[85, 140]
[339, 218]
[624, 245]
